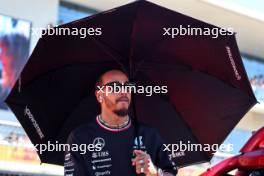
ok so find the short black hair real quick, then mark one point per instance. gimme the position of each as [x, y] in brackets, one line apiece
[99, 81]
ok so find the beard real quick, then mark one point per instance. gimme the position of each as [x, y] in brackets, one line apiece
[121, 112]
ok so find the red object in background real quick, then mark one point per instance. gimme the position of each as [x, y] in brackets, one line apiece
[8, 73]
[250, 159]
[14, 51]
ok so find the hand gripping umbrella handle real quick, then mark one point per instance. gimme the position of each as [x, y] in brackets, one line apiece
[136, 126]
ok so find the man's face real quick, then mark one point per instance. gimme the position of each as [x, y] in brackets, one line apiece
[118, 103]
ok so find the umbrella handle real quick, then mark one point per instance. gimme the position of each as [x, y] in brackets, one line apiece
[136, 126]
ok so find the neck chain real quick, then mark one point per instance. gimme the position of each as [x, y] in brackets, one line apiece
[118, 126]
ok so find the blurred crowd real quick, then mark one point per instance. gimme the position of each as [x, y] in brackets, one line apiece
[15, 139]
[257, 83]
[258, 80]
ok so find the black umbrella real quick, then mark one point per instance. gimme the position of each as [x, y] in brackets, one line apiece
[208, 89]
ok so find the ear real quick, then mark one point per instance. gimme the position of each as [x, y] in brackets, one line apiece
[99, 96]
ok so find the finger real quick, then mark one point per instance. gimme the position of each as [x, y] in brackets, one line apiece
[145, 157]
[138, 158]
[143, 168]
[146, 160]
[143, 163]
[140, 170]
[142, 155]
[146, 169]
[140, 163]
[139, 152]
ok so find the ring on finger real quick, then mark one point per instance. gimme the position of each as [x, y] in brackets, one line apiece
[142, 170]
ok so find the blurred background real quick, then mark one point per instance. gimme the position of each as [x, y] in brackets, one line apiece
[17, 40]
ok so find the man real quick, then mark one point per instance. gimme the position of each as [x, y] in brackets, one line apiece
[114, 130]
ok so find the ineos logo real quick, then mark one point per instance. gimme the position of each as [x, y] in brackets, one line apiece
[29, 114]
[230, 56]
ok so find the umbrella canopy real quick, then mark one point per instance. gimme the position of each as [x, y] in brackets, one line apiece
[208, 91]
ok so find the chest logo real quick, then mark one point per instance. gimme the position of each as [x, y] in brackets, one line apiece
[99, 141]
[140, 141]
